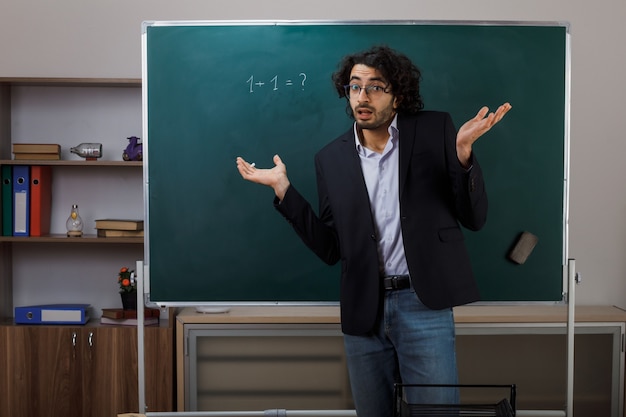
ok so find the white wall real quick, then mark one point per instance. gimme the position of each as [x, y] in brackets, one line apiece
[76, 38]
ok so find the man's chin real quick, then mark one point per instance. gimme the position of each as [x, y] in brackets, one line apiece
[365, 124]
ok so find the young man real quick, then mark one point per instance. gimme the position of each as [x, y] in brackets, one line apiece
[393, 191]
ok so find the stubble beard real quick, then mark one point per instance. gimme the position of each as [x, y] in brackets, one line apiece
[381, 119]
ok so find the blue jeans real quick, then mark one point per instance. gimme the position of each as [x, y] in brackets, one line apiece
[411, 344]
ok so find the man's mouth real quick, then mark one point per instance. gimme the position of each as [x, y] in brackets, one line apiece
[364, 113]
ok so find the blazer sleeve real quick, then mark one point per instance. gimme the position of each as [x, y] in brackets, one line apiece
[318, 236]
[470, 196]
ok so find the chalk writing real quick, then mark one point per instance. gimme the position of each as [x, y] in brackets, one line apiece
[275, 83]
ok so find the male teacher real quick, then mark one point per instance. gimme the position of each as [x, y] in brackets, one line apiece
[392, 192]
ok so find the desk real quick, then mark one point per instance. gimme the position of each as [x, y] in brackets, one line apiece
[491, 343]
[528, 344]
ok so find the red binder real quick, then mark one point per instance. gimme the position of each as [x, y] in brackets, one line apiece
[40, 199]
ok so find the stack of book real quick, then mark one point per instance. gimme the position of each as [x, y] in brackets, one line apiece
[37, 151]
[121, 317]
[119, 228]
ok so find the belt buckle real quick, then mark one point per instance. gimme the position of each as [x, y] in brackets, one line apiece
[394, 282]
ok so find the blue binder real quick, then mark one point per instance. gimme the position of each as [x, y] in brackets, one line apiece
[21, 200]
[52, 314]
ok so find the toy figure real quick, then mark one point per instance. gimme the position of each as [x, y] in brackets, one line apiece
[134, 150]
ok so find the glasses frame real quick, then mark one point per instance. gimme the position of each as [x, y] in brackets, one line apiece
[368, 90]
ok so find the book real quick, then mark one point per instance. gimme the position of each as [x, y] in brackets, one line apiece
[148, 321]
[40, 199]
[53, 314]
[36, 156]
[36, 148]
[119, 233]
[119, 224]
[120, 313]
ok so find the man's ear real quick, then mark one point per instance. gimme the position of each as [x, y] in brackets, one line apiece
[396, 102]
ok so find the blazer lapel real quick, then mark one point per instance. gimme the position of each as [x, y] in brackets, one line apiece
[406, 128]
[352, 167]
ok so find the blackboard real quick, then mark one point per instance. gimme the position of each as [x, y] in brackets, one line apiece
[218, 90]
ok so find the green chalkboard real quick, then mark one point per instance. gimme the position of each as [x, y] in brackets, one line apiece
[216, 91]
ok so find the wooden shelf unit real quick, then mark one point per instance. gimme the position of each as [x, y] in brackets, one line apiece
[75, 370]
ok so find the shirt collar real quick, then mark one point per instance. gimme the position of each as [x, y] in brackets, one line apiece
[393, 134]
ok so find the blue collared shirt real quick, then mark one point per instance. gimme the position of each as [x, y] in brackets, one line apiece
[381, 171]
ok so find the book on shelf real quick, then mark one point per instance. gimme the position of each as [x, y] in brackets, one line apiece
[120, 313]
[34, 148]
[148, 321]
[119, 233]
[119, 224]
[37, 156]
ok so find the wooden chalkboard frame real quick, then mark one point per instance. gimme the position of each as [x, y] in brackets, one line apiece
[172, 209]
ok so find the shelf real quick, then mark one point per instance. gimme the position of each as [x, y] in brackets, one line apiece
[61, 238]
[55, 268]
[72, 82]
[164, 323]
[68, 163]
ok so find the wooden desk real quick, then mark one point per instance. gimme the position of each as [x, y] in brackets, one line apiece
[488, 331]
[509, 335]
[462, 315]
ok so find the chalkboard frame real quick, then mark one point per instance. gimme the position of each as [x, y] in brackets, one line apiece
[152, 284]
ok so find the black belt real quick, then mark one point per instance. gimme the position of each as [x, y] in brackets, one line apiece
[396, 282]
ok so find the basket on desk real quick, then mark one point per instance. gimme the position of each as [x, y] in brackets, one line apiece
[476, 401]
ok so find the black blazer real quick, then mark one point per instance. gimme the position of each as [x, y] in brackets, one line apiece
[436, 194]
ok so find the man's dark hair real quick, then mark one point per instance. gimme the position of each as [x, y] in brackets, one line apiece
[403, 76]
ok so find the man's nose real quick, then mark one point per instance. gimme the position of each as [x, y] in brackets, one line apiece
[363, 93]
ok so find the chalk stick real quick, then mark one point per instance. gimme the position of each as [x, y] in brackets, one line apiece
[523, 248]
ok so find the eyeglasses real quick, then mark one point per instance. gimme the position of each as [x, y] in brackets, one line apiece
[354, 90]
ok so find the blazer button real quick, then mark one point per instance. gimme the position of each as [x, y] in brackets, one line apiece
[373, 237]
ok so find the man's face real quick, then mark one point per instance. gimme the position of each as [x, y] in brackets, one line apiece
[373, 109]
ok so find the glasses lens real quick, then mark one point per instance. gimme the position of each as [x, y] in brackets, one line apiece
[354, 90]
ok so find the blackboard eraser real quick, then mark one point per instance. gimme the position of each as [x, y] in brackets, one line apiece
[523, 248]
